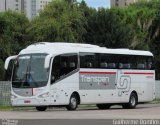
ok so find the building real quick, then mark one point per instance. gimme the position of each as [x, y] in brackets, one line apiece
[2, 5]
[30, 7]
[14, 5]
[33, 7]
[121, 3]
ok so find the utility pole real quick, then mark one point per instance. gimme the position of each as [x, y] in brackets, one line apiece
[22, 6]
[5, 5]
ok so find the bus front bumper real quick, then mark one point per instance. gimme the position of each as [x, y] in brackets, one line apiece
[30, 102]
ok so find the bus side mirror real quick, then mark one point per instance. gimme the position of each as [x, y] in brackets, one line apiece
[8, 61]
[47, 61]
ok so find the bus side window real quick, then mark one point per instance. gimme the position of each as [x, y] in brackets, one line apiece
[150, 65]
[126, 62]
[55, 69]
[141, 62]
[112, 65]
[89, 60]
[108, 61]
[133, 62]
[103, 65]
[140, 66]
[88, 65]
[63, 65]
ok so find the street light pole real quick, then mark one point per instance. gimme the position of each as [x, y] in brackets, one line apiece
[5, 5]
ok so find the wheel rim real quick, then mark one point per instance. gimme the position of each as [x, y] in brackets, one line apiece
[73, 102]
[133, 101]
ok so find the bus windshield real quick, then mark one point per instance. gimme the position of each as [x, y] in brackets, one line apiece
[29, 71]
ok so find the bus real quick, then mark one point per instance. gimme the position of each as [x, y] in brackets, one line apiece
[69, 74]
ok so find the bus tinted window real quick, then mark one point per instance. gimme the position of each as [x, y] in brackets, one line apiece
[150, 64]
[115, 61]
[89, 60]
[135, 62]
[141, 62]
[63, 64]
[124, 62]
[108, 61]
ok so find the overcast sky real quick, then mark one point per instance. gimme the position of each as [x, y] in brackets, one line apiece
[98, 3]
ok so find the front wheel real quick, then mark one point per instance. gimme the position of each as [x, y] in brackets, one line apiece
[73, 103]
[133, 100]
[41, 108]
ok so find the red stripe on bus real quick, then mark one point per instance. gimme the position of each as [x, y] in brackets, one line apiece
[98, 73]
[139, 73]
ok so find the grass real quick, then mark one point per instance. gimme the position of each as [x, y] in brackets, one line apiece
[155, 101]
[87, 106]
[6, 108]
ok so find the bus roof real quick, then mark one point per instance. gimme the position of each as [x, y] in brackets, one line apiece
[60, 48]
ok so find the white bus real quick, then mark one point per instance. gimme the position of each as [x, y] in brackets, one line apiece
[68, 74]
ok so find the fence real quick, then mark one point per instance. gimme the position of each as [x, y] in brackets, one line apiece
[5, 92]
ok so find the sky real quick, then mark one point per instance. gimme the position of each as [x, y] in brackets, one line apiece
[98, 3]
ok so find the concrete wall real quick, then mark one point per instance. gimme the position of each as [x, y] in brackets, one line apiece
[5, 93]
[157, 89]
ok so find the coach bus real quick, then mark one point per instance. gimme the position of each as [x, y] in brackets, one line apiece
[68, 74]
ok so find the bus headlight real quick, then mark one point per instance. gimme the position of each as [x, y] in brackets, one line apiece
[44, 95]
[13, 96]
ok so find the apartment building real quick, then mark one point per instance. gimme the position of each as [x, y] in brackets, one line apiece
[33, 7]
[14, 5]
[30, 7]
[121, 3]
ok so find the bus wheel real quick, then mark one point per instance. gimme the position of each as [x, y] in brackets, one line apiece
[73, 103]
[132, 102]
[41, 108]
[103, 106]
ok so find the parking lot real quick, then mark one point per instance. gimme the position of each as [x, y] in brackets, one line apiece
[143, 111]
[85, 115]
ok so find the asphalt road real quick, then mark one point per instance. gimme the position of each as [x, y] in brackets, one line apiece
[82, 115]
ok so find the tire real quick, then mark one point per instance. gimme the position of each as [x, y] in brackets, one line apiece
[133, 100]
[103, 106]
[73, 103]
[41, 108]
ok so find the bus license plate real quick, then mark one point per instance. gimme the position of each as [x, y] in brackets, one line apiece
[27, 101]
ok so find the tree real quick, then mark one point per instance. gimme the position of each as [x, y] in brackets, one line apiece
[12, 35]
[60, 21]
[105, 28]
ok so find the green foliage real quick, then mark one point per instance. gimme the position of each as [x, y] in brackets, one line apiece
[12, 35]
[139, 20]
[60, 21]
[136, 26]
[107, 29]
[2, 72]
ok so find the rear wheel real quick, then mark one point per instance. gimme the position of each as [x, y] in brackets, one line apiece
[41, 108]
[103, 106]
[73, 103]
[133, 100]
